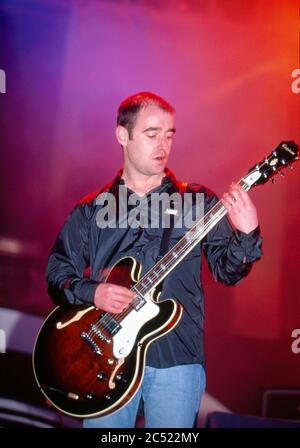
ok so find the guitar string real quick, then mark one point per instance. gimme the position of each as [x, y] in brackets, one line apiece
[108, 319]
[167, 263]
[168, 259]
[217, 210]
[216, 213]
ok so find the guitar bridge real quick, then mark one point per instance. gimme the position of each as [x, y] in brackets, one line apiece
[91, 343]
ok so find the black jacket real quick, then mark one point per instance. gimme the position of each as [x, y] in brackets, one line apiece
[83, 252]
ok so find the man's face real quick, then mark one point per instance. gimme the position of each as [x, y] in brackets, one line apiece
[148, 151]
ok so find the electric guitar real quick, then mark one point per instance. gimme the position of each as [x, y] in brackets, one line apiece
[90, 363]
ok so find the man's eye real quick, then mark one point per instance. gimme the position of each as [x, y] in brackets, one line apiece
[170, 136]
[151, 135]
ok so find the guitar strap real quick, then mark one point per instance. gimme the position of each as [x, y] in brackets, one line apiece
[165, 240]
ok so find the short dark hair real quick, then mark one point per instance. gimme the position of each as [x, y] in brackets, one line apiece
[130, 107]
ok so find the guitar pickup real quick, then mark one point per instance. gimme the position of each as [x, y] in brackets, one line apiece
[138, 302]
[99, 333]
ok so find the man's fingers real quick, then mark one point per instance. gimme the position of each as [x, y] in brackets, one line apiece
[237, 193]
[241, 210]
[240, 193]
[228, 200]
[122, 299]
[236, 198]
[118, 308]
[121, 291]
[113, 298]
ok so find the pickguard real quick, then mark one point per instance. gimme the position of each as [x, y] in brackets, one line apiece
[125, 339]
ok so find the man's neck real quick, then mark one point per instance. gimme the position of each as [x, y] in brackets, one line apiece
[141, 184]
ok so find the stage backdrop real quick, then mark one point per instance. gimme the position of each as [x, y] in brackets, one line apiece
[227, 67]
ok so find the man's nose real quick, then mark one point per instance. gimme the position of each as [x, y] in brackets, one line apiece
[163, 142]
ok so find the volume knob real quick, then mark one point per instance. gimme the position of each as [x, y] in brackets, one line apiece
[101, 376]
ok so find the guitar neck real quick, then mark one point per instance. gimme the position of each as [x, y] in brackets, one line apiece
[193, 236]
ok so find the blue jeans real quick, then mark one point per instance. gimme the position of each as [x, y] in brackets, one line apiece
[171, 399]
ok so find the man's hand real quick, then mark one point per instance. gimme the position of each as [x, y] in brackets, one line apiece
[112, 298]
[241, 210]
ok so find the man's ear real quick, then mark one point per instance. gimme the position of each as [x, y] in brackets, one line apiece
[122, 135]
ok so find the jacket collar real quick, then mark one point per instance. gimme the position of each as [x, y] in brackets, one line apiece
[169, 177]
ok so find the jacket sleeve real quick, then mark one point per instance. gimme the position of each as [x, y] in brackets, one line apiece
[69, 259]
[230, 253]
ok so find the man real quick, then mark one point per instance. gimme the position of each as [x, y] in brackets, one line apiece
[174, 379]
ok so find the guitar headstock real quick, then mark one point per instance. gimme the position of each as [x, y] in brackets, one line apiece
[284, 155]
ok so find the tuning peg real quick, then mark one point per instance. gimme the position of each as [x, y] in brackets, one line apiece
[291, 167]
[273, 180]
[282, 174]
